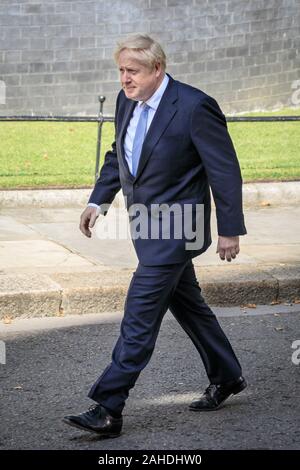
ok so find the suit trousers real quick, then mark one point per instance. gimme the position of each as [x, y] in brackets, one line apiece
[152, 291]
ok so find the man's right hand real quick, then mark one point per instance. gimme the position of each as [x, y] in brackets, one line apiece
[87, 220]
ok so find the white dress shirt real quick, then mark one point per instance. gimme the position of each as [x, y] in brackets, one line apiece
[153, 103]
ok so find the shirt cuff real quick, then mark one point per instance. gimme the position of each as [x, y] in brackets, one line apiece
[100, 209]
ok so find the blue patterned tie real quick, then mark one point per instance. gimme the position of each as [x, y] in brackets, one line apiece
[141, 130]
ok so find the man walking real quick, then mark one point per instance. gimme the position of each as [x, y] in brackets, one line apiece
[172, 144]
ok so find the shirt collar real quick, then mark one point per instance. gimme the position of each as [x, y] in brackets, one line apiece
[154, 100]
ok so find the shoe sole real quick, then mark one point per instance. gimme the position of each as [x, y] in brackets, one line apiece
[239, 388]
[82, 428]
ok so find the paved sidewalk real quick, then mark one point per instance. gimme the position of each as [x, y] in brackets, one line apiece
[49, 268]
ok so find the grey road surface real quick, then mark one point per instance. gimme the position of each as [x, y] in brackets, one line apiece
[48, 373]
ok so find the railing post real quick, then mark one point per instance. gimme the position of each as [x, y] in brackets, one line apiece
[101, 99]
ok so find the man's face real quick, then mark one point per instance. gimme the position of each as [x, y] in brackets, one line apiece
[138, 81]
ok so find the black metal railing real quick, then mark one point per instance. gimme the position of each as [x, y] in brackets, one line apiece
[101, 119]
[261, 118]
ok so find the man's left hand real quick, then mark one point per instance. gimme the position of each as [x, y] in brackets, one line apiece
[228, 247]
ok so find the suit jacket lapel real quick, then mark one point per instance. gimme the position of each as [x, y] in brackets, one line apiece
[120, 137]
[164, 113]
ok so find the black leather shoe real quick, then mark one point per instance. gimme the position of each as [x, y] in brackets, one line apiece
[215, 395]
[97, 419]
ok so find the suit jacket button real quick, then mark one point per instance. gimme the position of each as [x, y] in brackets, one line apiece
[136, 185]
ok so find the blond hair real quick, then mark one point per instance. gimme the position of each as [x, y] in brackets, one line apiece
[142, 48]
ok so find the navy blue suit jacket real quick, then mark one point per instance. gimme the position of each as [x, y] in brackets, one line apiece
[187, 149]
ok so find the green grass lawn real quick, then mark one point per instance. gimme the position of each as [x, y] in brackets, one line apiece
[50, 154]
[268, 151]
